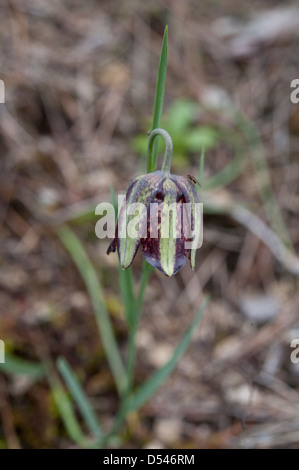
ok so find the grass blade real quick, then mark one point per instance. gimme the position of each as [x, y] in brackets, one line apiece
[93, 286]
[80, 397]
[16, 366]
[158, 103]
[146, 391]
[66, 413]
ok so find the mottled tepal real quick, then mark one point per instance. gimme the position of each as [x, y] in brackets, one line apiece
[170, 228]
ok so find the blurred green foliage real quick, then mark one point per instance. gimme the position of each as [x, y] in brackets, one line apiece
[188, 137]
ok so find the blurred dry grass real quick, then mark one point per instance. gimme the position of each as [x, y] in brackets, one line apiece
[80, 79]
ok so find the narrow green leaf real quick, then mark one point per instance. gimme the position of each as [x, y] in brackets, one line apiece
[158, 103]
[66, 413]
[93, 286]
[147, 390]
[15, 366]
[80, 397]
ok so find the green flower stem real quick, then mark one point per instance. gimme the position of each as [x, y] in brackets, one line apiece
[146, 271]
[168, 147]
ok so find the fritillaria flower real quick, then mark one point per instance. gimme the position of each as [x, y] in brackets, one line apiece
[168, 219]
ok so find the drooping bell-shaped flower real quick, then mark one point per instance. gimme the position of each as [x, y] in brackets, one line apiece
[169, 218]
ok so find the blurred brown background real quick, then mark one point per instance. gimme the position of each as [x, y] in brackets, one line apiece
[80, 82]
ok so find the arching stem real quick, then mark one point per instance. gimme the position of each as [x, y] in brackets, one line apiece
[168, 150]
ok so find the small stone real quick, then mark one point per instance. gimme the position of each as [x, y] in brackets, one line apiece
[48, 197]
[13, 278]
[144, 339]
[160, 354]
[79, 300]
[259, 308]
[242, 395]
[168, 430]
[154, 445]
